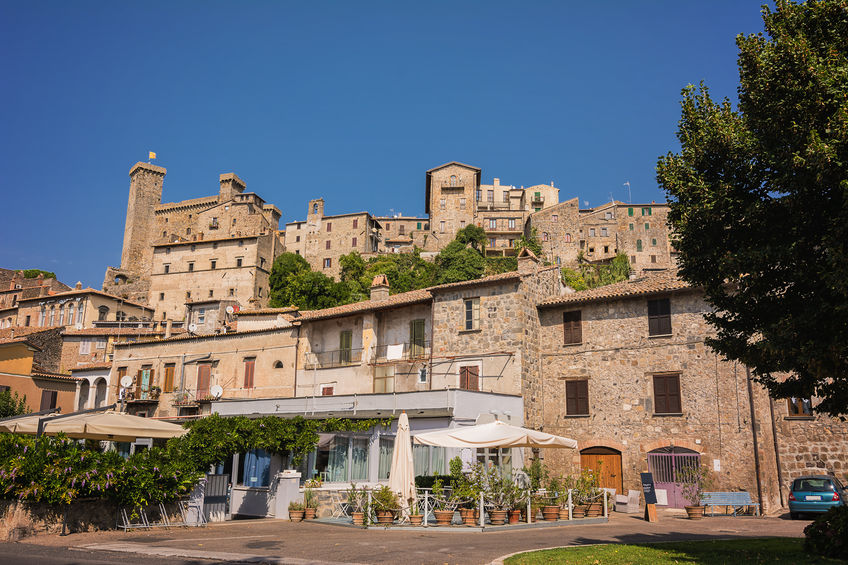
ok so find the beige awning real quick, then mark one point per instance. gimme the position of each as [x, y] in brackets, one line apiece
[106, 426]
[494, 434]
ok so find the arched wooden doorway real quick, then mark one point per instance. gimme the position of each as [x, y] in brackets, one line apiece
[607, 461]
[664, 463]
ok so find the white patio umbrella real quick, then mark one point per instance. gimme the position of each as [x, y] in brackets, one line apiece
[108, 426]
[402, 472]
[494, 434]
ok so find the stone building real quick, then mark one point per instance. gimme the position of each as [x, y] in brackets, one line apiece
[43, 389]
[321, 239]
[84, 348]
[14, 286]
[79, 307]
[219, 246]
[625, 371]
[402, 234]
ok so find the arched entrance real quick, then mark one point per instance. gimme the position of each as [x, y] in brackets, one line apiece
[664, 462]
[100, 393]
[83, 395]
[607, 461]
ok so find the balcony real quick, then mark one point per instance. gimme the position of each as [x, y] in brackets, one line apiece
[537, 198]
[458, 185]
[409, 351]
[492, 205]
[331, 359]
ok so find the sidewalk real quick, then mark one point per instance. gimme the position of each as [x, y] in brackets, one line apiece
[273, 541]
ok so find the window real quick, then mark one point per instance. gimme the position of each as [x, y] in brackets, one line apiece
[27, 321]
[453, 180]
[419, 226]
[417, 339]
[572, 326]
[608, 215]
[667, 394]
[555, 217]
[345, 346]
[647, 226]
[492, 242]
[462, 224]
[384, 379]
[61, 316]
[168, 382]
[188, 231]
[443, 204]
[659, 317]
[79, 314]
[544, 236]
[188, 295]
[638, 245]
[353, 242]
[630, 211]
[490, 195]
[314, 209]
[478, 194]
[232, 292]
[604, 232]
[577, 398]
[512, 223]
[799, 407]
[631, 227]
[653, 258]
[256, 471]
[85, 347]
[48, 399]
[442, 226]
[161, 296]
[427, 459]
[167, 268]
[606, 248]
[328, 263]
[211, 293]
[472, 314]
[388, 226]
[591, 232]
[249, 365]
[327, 244]
[201, 315]
[102, 313]
[213, 263]
[646, 211]
[469, 377]
[355, 223]
[568, 238]
[505, 196]
[191, 267]
[204, 376]
[401, 229]
[633, 259]
[493, 224]
[101, 343]
[329, 227]
[327, 390]
[297, 239]
[239, 261]
[462, 203]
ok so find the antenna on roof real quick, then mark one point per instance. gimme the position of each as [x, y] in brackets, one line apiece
[629, 197]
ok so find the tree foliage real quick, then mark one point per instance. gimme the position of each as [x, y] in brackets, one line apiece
[759, 203]
[530, 242]
[588, 275]
[33, 274]
[12, 405]
[457, 263]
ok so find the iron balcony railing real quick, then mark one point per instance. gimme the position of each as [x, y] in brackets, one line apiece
[402, 351]
[330, 359]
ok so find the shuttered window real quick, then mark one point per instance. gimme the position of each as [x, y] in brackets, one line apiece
[469, 377]
[204, 376]
[667, 394]
[472, 314]
[572, 327]
[659, 317]
[249, 365]
[577, 398]
[168, 383]
[48, 399]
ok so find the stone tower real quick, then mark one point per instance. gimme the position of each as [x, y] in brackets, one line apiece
[145, 193]
[231, 185]
[315, 212]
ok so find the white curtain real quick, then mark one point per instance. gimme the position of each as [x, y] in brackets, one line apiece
[359, 456]
[387, 446]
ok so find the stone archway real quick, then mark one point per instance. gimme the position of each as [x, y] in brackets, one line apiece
[100, 393]
[607, 462]
[84, 390]
[664, 462]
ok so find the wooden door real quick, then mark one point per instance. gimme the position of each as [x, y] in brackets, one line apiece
[608, 462]
[204, 374]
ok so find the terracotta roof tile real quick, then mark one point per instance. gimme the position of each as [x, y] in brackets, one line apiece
[653, 283]
[395, 300]
[266, 311]
[87, 291]
[10, 340]
[20, 331]
[117, 331]
[203, 336]
[54, 376]
[92, 367]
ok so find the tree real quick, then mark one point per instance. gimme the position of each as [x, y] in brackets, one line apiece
[286, 265]
[12, 405]
[473, 235]
[759, 203]
[33, 274]
[530, 242]
[457, 263]
[309, 290]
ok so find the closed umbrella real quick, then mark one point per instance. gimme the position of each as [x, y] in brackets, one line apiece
[402, 472]
[494, 434]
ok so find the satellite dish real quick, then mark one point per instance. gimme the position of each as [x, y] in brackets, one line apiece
[216, 390]
[126, 381]
[192, 328]
[230, 309]
[78, 326]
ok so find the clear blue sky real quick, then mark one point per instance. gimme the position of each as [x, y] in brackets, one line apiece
[351, 101]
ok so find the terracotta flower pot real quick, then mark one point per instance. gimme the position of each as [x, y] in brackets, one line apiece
[310, 513]
[296, 515]
[579, 511]
[467, 515]
[385, 517]
[358, 518]
[515, 516]
[497, 517]
[416, 519]
[695, 512]
[563, 513]
[550, 513]
[595, 509]
[443, 517]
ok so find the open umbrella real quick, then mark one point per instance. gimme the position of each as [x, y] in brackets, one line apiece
[494, 434]
[402, 472]
[107, 426]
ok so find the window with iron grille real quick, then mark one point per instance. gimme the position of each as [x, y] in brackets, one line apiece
[659, 317]
[667, 394]
[572, 327]
[577, 397]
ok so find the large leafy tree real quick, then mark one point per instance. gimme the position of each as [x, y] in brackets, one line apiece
[759, 203]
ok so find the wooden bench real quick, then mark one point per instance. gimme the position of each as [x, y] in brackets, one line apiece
[739, 501]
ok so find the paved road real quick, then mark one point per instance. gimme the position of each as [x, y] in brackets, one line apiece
[270, 541]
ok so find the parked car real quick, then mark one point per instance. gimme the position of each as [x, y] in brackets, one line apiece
[815, 494]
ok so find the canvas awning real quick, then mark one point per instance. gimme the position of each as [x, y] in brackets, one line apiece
[106, 426]
[494, 434]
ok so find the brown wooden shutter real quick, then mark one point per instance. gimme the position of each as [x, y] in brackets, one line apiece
[168, 385]
[472, 374]
[672, 389]
[138, 384]
[249, 365]
[659, 317]
[327, 391]
[204, 374]
[577, 397]
[48, 399]
[660, 396]
[572, 327]
[570, 398]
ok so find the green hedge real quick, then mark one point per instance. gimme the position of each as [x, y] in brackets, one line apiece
[828, 535]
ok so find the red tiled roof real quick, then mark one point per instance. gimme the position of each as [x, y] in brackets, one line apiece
[54, 376]
[20, 331]
[402, 299]
[88, 290]
[117, 331]
[10, 340]
[265, 311]
[653, 283]
[202, 336]
[500, 277]
[207, 240]
[92, 367]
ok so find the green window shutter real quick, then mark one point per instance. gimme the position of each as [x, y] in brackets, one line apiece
[631, 227]
[630, 211]
[638, 245]
[647, 226]
[419, 225]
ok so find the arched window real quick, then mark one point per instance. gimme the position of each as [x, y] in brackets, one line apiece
[52, 315]
[100, 393]
[278, 364]
[544, 236]
[102, 312]
[42, 316]
[83, 395]
[568, 238]
[453, 180]
[70, 313]
[315, 208]
[61, 316]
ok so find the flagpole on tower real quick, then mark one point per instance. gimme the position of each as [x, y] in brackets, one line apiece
[150, 156]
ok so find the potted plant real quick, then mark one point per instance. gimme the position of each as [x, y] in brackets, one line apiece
[296, 511]
[386, 504]
[562, 497]
[443, 507]
[694, 480]
[416, 518]
[357, 500]
[155, 391]
[550, 510]
[498, 494]
[310, 503]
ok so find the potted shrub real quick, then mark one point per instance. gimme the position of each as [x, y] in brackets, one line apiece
[416, 518]
[442, 506]
[562, 496]
[310, 503]
[498, 494]
[550, 509]
[296, 511]
[694, 481]
[155, 391]
[357, 500]
[386, 504]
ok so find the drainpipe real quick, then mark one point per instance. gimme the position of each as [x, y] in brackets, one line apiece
[296, 349]
[432, 343]
[754, 435]
[776, 452]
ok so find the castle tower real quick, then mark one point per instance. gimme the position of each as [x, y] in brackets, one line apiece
[315, 212]
[145, 193]
[231, 185]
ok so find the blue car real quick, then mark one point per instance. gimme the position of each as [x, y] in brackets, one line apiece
[815, 494]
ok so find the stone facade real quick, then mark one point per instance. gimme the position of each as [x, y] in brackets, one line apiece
[402, 234]
[14, 286]
[96, 346]
[224, 228]
[81, 306]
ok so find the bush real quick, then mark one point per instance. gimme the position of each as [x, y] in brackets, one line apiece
[828, 535]
[426, 481]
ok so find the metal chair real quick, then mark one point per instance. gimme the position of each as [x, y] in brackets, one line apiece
[341, 507]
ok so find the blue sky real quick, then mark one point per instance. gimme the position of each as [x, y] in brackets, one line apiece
[351, 101]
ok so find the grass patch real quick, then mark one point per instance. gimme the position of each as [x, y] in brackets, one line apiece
[776, 551]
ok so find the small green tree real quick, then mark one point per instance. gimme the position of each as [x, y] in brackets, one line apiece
[33, 274]
[472, 235]
[285, 266]
[12, 405]
[530, 242]
[458, 263]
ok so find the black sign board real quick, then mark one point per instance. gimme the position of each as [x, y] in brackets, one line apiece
[648, 488]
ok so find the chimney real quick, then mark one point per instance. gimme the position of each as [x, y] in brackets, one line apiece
[231, 185]
[78, 286]
[496, 181]
[527, 262]
[380, 288]
[168, 329]
[42, 290]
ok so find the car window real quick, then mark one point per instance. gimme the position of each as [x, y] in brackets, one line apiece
[813, 485]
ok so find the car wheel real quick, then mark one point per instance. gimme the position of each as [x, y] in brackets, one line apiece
[793, 515]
